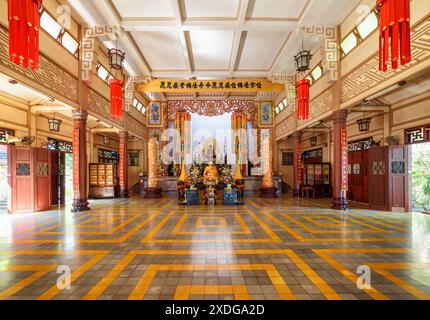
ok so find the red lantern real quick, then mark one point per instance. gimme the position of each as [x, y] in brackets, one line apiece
[116, 98]
[24, 24]
[303, 99]
[394, 25]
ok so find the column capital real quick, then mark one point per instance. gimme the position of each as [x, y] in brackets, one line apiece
[123, 134]
[297, 135]
[80, 115]
[340, 116]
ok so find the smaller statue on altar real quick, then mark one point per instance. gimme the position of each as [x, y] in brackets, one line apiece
[211, 196]
[210, 175]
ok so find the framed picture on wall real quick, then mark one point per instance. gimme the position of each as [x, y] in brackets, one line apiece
[265, 114]
[133, 159]
[155, 117]
[287, 158]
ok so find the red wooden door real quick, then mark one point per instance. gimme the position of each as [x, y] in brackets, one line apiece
[22, 174]
[398, 183]
[358, 176]
[42, 182]
[378, 178]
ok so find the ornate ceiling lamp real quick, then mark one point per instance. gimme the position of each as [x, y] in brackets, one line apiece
[24, 25]
[54, 124]
[303, 60]
[116, 62]
[313, 140]
[394, 28]
[364, 124]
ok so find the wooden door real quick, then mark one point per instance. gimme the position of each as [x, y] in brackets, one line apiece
[358, 177]
[58, 187]
[22, 175]
[42, 179]
[378, 178]
[398, 182]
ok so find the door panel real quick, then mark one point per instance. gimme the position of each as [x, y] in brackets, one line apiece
[378, 178]
[42, 185]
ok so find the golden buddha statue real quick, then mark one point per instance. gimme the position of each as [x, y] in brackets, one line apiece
[210, 175]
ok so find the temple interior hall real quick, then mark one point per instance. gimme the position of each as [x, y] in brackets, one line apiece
[214, 150]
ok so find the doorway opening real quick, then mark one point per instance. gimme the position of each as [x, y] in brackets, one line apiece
[5, 192]
[421, 177]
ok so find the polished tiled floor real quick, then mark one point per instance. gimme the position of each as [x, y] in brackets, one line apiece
[266, 249]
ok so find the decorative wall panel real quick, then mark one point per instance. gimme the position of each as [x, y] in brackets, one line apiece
[100, 105]
[367, 75]
[319, 105]
[49, 74]
[284, 128]
[137, 128]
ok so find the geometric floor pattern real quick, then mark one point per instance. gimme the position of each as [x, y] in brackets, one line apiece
[272, 249]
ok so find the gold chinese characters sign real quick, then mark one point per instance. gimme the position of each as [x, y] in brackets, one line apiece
[237, 85]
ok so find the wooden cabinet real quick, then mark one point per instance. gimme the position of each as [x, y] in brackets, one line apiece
[318, 175]
[103, 180]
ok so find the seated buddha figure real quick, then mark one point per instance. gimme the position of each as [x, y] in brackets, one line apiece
[210, 175]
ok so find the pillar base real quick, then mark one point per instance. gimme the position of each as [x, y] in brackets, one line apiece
[268, 193]
[80, 205]
[124, 194]
[153, 193]
[340, 204]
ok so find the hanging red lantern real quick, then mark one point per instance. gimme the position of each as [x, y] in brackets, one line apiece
[303, 99]
[394, 30]
[24, 25]
[116, 98]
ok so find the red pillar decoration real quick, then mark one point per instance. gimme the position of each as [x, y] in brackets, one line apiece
[123, 164]
[24, 24]
[116, 98]
[80, 162]
[340, 179]
[298, 170]
[394, 30]
[303, 99]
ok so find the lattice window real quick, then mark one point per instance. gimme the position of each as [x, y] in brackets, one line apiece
[378, 168]
[58, 145]
[398, 167]
[415, 136]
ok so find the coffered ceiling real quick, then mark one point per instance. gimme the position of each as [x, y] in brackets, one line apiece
[216, 39]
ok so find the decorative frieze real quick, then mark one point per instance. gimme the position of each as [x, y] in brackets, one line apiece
[49, 74]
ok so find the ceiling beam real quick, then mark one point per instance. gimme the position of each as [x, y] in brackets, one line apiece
[383, 109]
[48, 108]
[183, 36]
[111, 18]
[236, 51]
[131, 24]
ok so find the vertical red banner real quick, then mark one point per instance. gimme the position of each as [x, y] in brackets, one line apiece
[344, 146]
[300, 164]
[76, 164]
[121, 163]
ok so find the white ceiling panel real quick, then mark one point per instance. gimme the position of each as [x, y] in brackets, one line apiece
[196, 9]
[162, 49]
[277, 9]
[261, 49]
[211, 49]
[144, 8]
